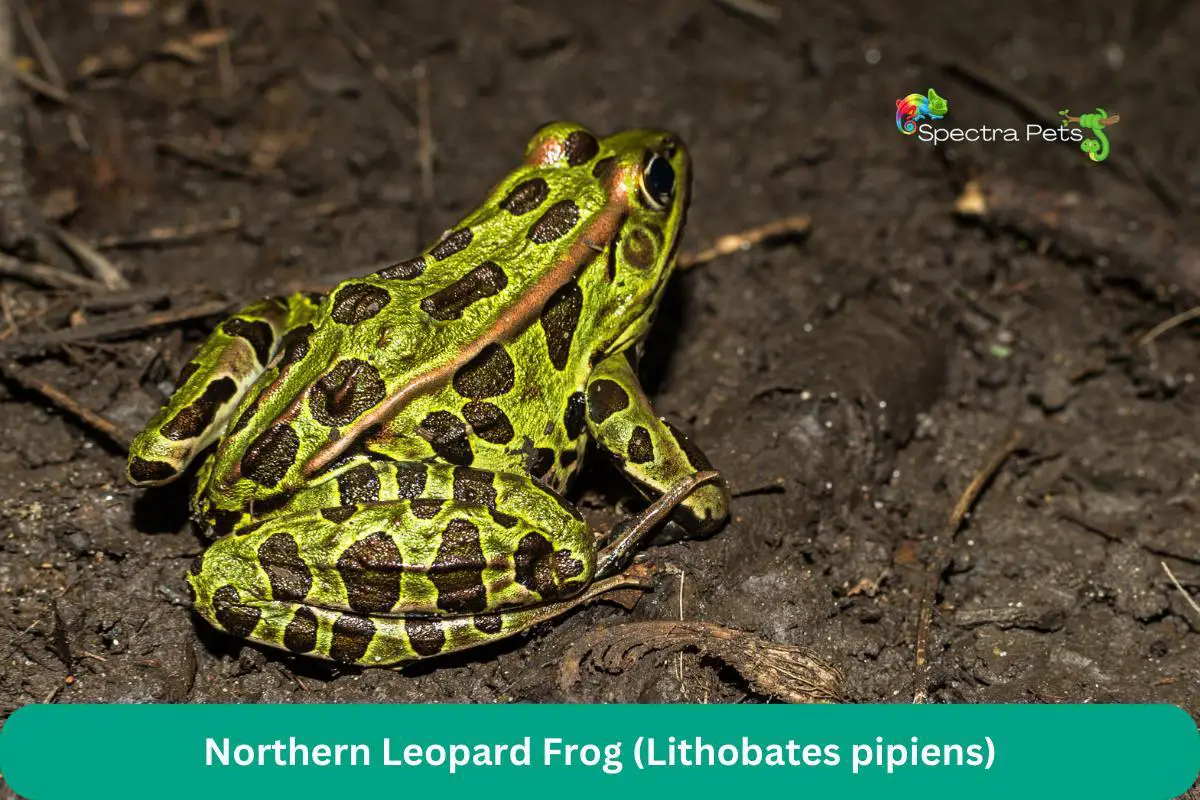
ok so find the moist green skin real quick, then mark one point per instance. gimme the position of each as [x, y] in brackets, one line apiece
[387, 478]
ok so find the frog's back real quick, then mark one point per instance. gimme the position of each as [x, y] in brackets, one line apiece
[474, 353]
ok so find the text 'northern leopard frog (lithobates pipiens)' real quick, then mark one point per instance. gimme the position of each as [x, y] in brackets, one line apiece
[389, 459]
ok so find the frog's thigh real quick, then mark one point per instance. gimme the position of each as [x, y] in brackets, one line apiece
[650, 451]
[211, 385]
[396, 580]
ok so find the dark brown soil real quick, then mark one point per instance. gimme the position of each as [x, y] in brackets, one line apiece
[850, 384]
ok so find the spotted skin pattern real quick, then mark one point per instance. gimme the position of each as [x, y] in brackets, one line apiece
[390, 460]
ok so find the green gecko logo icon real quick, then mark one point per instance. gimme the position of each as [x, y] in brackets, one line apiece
[1097, 148]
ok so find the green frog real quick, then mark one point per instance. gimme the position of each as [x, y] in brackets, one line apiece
[383, 467]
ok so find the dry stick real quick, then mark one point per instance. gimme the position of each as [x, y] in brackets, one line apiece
[64, 402]
[1030, 107]
[362, 52]
[763, 12]
[426, 146]
[744, 240]
[15, 228]
[1190, 600]
[224, 53]
[45, 275]
[115, 328]
[50, 67]
[1109, 120]
[1173, 322]
[101, 268]
[941, 559]
[1161, 259]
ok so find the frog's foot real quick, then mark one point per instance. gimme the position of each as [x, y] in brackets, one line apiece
[630, 534]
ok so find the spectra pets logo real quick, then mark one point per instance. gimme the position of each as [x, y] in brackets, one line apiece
[1096, 148]
[917, 107]
[915, 114]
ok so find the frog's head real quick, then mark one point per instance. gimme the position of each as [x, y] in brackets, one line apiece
[634, 191]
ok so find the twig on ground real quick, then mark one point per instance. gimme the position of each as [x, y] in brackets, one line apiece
[1159, 259]
[1173, 322]
[363, 53]
[13, 373]
[788, 672]
[116, 328]
[1191, 601]
[755, 9]
[786, 228]
[100, 267]
[426, 147]
[941, 560]
[224, 53]
[49, 67]
[45, 275]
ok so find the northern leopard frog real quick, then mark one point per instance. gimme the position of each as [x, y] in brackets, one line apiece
[389, 461]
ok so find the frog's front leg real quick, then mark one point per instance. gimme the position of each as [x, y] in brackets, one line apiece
[437, 559]
[651, 452]
[211, 386]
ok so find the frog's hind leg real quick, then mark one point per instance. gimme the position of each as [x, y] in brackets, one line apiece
[415, 561]
[652, 453]
[211, 385]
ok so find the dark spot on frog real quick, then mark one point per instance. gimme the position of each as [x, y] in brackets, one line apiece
[603, 169]
[447, 435]
[404, 271]
[489, 374]
[486, 280]
[556, 223]
[539, 461]
[426, 508]
[223, 522]
[488, 623]
[289, 576]
[239, 620]
[371, 569]
[339, 514]
[358, 485]
[295, 345]
[425, 636]
[641, 447]
[269, 456]
[352, 636]
[605, 397]
[198, 416]
[474, 486]
[560, 317]
[533, 565]
[358, 302]
[300, 636]
[457, 570]
[637, 247]
[526, 197]
[573, 418]
[454, 242]
[410, 480]
[341, 395]
[567, 565]
[567, 457]
[502, 519]
[271, 504]
[257, 333]
[143, 471]
[695, 455]
[488, 422]
[580, 148]
[189, 369]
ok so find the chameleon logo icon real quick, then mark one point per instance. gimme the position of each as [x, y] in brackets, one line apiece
[919, 106]
[1097, 147]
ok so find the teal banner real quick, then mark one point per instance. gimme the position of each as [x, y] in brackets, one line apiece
[344, 751]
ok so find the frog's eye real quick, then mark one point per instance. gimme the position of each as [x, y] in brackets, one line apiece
[658, 182]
